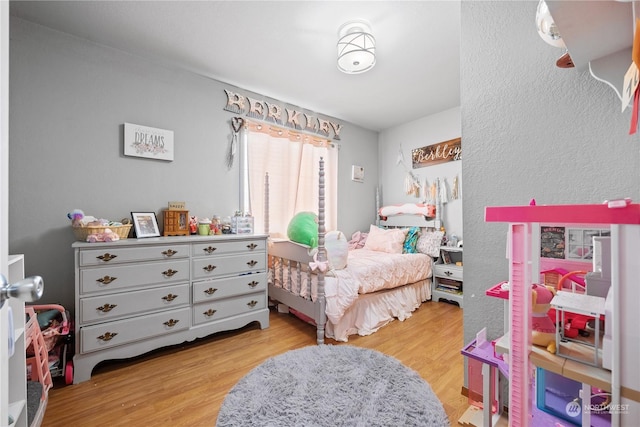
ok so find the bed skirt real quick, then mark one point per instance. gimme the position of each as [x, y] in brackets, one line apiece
[370, 312]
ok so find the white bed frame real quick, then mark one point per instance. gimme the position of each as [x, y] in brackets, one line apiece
[293, 261]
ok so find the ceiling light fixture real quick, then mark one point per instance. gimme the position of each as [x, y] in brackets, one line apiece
[356, 47]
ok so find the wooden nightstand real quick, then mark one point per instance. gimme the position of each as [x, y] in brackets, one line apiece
[176, 222]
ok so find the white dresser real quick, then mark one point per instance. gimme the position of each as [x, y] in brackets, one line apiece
[136, 295]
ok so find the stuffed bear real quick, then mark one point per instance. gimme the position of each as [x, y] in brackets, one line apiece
[543, 328]
[303, 228]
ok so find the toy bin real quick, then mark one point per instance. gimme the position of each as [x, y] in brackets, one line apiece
[560, 396]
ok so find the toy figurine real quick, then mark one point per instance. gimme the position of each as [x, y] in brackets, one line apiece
[543, 329]
[193, 224]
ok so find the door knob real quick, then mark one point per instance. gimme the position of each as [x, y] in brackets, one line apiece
[27, 290]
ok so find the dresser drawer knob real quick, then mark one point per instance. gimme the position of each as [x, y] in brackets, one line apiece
[209, 268]
[210, 291]
[108, 336]
[106, 280]
[252, 246]
[252, 263]
[169, 252]
[170, 297]
[210, 312]
[253, 284]
[107, 308]
[171, 323]
[209, 249]
[448, 273]
[252, 303]
[169, 272]
[106, 257]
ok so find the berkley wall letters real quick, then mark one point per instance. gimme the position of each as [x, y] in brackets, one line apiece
[274, 113]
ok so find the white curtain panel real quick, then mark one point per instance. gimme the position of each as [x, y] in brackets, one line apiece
[293, 180]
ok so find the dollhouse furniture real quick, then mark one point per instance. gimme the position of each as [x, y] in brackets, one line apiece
[136, 295]
[573, 302]
[623, 380]
[494, 369]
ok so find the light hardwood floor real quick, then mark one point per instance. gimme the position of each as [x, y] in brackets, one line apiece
[186, 384]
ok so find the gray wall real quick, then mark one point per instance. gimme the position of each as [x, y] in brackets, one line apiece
[69, 99]
[530, 130]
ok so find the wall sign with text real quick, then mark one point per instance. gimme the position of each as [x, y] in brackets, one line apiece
[443, 152]
[151, 143]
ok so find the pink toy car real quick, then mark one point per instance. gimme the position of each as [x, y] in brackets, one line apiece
[107, 236]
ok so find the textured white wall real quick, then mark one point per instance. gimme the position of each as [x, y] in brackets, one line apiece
[530, 130]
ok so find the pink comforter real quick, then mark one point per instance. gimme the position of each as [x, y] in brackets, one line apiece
[370, 271]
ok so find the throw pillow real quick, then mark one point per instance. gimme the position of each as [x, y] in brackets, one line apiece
[389, 241]
[358, 240]
[429, 243]
[411, 241]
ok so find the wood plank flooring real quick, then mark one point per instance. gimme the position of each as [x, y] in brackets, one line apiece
[185, 385]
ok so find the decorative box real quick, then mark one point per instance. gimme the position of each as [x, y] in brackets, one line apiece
[176, 222]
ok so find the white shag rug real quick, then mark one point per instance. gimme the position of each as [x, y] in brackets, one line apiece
[331, 385]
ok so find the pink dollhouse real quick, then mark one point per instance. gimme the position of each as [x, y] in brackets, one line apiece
[622, 378]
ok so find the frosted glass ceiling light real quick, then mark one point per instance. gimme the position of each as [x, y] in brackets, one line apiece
[356, 47]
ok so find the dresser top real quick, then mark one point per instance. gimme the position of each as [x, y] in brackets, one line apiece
[169, 240]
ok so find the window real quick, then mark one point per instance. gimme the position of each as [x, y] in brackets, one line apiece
[291, 160]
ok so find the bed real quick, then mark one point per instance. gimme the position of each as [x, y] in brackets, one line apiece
[374, 288]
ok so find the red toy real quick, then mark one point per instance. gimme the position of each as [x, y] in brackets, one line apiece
[570, 281]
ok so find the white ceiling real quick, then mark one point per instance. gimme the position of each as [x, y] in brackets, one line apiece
[286, 50]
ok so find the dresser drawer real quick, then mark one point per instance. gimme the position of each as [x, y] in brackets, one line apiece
[132, 275]
[117, 255]
[226, 265]
[219, 309]
[210, 290]
[118, 332]
[447, 270]
[217, 248]
[113, 306]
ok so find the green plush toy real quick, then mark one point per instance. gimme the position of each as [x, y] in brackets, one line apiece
[303, 228]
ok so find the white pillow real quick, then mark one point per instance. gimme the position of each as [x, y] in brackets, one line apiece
[389, 241]
[429, 243]
[337, 249]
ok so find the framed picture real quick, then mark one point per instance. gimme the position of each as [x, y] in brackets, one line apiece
[145, 224]
[446, 257]
[148, 142]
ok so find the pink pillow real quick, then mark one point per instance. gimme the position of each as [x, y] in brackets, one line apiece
[358, 240]
[389, 241]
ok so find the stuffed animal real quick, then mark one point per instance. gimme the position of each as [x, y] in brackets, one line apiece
[543, 329]
[76, 217]
[337, 249]
[303, 228]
